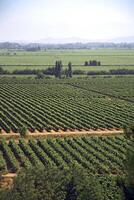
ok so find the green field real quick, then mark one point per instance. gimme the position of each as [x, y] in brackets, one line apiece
[120, 86]
[99, 155]
[103, 157]
[81, 104]
[77, 57]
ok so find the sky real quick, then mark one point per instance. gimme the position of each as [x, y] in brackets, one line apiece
[35, 20]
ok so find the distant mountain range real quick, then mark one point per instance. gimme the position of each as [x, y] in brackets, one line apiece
[70, 43]
[63, 40]
[72, 40]
[129, 39]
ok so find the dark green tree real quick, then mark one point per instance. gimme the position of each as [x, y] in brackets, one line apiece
[130, 168]
[54, 184]
[70, 73]
[99, 63]
[66, 73]
[23, 131]
[87, 186]
[129, 131]
[40, 75]
[58, 69]
[86, 63]
[128, 184]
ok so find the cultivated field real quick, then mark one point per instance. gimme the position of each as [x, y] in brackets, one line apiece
[99, 155]
[69, 122]
[78, 57]
[77, 104]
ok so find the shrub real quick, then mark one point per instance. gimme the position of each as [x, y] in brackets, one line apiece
[40, 75]
[55, 184]
[23, 131]
[129, 131]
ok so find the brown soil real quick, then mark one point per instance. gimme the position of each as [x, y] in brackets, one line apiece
[61, 133]
[6, 180]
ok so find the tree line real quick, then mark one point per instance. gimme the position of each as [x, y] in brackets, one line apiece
[90, 45]
[92, 63]
[53, 183]
[112, 72]
[58, 71]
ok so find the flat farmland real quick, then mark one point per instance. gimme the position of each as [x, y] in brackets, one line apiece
[70, 104]
[46, 107]
[120, 87]
[99, 155]
[77, 57]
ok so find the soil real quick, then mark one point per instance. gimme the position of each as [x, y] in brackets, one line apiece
[60, 133]
[6, 180]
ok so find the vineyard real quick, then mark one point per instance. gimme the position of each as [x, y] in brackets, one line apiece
[46, 105]
[119, 87]
[65, 107]
[103, 157]
[67, 100]
[99, 155]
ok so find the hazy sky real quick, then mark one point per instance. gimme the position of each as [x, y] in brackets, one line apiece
[88, 19]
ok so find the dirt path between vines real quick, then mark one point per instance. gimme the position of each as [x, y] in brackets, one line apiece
[6, 180]
[100, 92]
[61, 133]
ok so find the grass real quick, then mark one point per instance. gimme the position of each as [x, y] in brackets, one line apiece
[78, 57]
